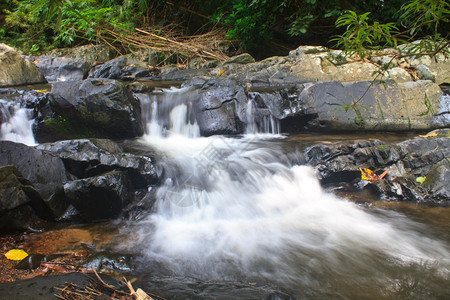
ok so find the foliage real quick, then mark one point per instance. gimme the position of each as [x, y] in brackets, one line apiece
[36, 25]
[424, 19]
[256, 22]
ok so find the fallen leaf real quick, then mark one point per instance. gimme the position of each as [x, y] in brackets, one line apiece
[369, 175]
[42, 91]
[221, 72]
[429, 135]
[421, 179]
[16, 254]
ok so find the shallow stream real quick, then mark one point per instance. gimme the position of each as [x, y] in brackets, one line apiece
[241, 217]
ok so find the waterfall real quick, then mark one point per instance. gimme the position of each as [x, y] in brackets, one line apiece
[233, 208]
[16, 123]
[257, 123]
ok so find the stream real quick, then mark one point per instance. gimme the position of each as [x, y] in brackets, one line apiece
[242, 218]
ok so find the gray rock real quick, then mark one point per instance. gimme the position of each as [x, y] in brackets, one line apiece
[356, 105]
[438, 180]
[16, 70]
[124, 68]
[87, 158]
[241, 59]
[56, 69]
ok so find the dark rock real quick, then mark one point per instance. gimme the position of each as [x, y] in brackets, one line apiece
[21, 206]
[217, 108]
[124, 68]
[15, 190]
[86, 158]
[101, 197]
[45, 287]
[44, 171]
[57, 69]
[408, 160]
[92, 108]
[438, 180]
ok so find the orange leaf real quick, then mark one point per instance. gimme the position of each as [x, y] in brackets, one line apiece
[368, 174]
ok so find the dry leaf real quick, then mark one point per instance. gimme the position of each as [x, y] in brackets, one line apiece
[16, 254]
[429, 135]
[368, 174]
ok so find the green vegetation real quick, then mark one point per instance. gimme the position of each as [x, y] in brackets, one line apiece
[256, 25]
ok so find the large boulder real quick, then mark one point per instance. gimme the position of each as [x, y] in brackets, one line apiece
[216, 108]
[21, 206]
[16, 70]
[100, 197]
[45, 171]
[102, 108]
[389, 106]
[62, 68]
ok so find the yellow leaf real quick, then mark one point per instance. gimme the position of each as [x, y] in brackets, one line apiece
[429, 135]
[221, 72]
[16, 254]
[367, 174]
[42, 91]
[421, 179]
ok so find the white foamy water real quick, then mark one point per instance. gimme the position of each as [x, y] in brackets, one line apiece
[232, 208]
[16, 124]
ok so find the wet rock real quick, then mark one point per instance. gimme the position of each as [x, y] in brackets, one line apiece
[438, 180]
[418, 157]
[56, 69]
[100, 108]
[87, 158]
[16, 70]
[124, 68]
[44, 171]
[21, 206]
[100, 197]
[15, 190]
[217, 108]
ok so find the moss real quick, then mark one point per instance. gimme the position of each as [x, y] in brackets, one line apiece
[62, 127]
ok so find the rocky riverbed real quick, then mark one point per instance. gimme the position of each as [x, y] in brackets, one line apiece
[96, 144]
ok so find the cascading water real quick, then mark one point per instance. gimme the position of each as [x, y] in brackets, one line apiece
[238, 209]
[16, 123]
